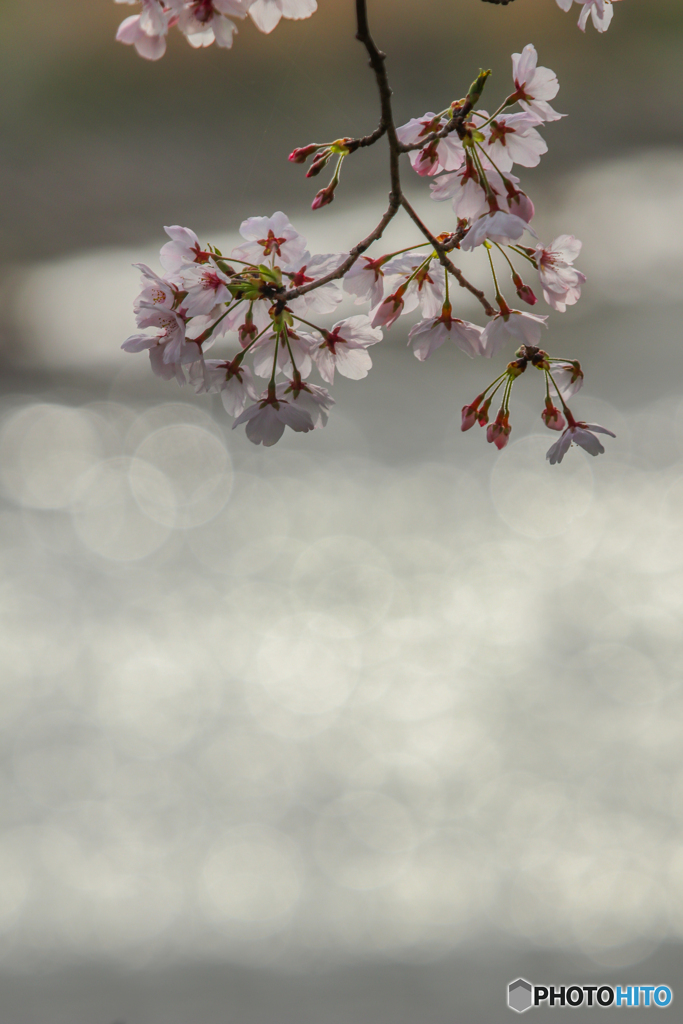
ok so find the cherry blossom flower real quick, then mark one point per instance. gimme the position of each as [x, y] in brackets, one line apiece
[511, 325]
[203, 21]
[302, 346]
[467, 192]
[266, 421]
[568, 377]
[272, 239]
[344, 349]
[534, 86]
[579, 433]
[145, 31]
[306, 269]
[316, 401]
[600, 11]
[365, 280]
[390, 310]
[445, 154]
[266, 14]
[234, 384]
[183, 248]
[501, 227]
[430, 334]
[561, 282]
[169, 350]
[423, 284]
[155, 290]
[513, 139]
[206, 286]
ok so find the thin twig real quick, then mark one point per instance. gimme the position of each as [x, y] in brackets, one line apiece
[444, 260]
[357, 251]
[377, 61]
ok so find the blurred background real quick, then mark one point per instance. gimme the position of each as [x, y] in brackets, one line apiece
[369, 724]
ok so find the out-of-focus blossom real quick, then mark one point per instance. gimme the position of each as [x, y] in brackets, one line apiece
[271, 240]
[266, 14]
[430, 334]
[266, 421]
[513, 325]
[204, 21]
[534, 86]
[600, 12]
[344, 349]
[561, 281]
[579, 433]
[145, 31]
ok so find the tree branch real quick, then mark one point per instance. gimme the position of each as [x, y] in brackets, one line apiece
[357, 251]
[444, 260]
[377, 61]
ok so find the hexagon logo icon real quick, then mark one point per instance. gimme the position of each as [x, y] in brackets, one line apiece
[519, 995]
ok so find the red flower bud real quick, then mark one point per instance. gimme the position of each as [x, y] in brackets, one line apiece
[469, 416]
[498, 432]
[552, 417]
[302, 153]
[483, 415]
[324, 197]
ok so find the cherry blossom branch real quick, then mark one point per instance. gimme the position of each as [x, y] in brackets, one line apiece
[201, 294]
[378, 65]
[444, 260]
[354, 253]
[377, 61]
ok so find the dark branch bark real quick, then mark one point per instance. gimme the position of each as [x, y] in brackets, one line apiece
[444, 260]
[357, 251]
[377, 61]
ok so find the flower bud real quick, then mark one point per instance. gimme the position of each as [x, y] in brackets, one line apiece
[477, 88]
[521, 205]
[552, 417]
[469, 416]
[483, 414]
[318, 164]
[498, 432]
[300, 155]
[325, 196]
[524, 291]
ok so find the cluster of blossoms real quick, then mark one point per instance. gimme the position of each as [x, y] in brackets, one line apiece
[265, 298]
[202, 22]
[270, 292]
